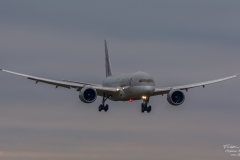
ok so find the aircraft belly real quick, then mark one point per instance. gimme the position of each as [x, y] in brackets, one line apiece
[137, 91]
[134, 93]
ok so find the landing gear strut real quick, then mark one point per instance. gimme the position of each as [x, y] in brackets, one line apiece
[145, 107]
[102, 106]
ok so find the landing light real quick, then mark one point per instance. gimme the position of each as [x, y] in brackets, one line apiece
[144, 97]
[130, 100]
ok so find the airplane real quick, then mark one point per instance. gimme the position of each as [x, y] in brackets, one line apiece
[123, 87]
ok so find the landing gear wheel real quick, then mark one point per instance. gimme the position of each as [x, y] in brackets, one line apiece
[100, 108]
[144, 105]
[106, 108]
[143, 108]
[149, 109]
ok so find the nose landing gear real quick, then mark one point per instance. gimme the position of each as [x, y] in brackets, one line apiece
[145, 107]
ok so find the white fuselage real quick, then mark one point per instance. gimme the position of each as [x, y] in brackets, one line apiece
[131, 86]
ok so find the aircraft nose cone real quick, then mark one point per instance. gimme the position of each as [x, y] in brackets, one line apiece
[148, 90]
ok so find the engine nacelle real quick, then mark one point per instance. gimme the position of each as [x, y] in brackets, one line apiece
[87, 94]
[175, 97]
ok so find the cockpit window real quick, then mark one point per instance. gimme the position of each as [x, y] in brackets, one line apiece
[146, 80]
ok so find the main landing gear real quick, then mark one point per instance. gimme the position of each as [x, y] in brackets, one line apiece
[102, 106]
[145, 106]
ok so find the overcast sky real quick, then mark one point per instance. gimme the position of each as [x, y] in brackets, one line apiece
[177, 42]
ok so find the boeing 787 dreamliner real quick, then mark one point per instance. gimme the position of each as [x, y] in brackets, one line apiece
[123, 87]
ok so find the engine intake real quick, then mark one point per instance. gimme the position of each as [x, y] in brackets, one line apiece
[87, 94]
[175, 97]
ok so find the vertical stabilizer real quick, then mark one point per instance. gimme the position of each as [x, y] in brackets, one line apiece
[107, 61]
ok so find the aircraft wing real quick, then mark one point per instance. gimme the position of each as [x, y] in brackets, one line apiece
[67, 84]
[165, 90]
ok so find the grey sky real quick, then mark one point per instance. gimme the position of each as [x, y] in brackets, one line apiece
[178, 42]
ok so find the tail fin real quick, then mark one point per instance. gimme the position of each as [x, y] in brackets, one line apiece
[107, 61]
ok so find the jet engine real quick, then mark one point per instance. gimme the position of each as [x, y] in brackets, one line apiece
[175, 97]
[87, 94]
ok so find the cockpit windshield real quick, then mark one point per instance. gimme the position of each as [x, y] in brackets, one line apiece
[146, 80]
